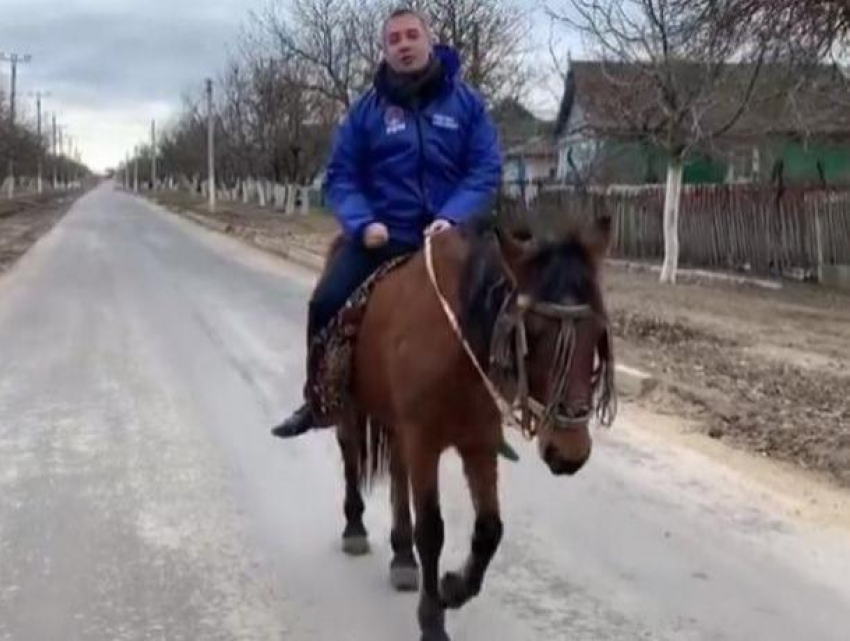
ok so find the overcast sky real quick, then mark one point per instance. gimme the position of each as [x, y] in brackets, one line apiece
[112, 65]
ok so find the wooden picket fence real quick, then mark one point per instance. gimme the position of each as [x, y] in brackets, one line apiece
[745, 228]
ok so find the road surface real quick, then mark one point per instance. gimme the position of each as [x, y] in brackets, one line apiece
[142, 361]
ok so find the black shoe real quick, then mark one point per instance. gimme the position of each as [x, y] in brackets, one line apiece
[506, 451]
[300, 422]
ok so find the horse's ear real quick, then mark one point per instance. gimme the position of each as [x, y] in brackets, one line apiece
[598, 237]
[516, 245]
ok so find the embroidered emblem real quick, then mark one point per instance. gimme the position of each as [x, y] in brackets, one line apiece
[394, 119]
[445, 122]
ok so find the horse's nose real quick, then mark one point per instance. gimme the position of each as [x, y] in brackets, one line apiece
[560, 466]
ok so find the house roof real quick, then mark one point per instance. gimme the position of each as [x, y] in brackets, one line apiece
[629, 99]
[516, 124]
[536, 147]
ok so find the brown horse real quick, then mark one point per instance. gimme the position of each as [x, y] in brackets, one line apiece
[476, 317]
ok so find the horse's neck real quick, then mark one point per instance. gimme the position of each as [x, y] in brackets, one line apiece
[482, 288]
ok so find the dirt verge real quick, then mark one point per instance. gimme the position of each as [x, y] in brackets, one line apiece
[764, 370]
[25, 219]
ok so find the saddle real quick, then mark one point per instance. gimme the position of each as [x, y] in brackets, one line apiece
[330, 357]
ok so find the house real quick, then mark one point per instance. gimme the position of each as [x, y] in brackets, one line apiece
[528, 149]
[795, 125]
[527, 165]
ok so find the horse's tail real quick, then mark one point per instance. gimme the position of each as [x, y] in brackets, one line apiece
[375, 452]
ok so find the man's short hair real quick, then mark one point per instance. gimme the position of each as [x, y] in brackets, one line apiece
[398, 12]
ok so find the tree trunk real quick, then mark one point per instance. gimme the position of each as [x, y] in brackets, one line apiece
[672, 199]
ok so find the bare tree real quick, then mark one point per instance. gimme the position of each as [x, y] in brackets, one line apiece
[322, 35]
[490, 36]
[338, 41]
[801, 29]
[235, 108]
[668, 79]
[22, 141]
[182, 148]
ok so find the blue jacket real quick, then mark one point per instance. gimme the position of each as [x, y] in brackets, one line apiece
[406, 168]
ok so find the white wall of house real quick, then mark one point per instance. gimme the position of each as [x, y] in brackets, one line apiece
[536, 169]
[585, 153]
[576, 137]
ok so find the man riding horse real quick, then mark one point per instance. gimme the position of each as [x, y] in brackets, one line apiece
[417, 154]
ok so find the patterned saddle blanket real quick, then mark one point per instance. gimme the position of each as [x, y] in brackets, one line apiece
[330, 361]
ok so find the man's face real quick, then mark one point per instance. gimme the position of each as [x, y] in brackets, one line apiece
[407, 45]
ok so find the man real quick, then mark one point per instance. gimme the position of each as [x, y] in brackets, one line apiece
[415, 155]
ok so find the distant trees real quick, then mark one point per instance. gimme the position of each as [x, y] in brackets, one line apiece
[20, 142]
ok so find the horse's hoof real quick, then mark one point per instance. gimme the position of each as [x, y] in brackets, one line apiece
[453, 591]
[404, 578]
[356, 545]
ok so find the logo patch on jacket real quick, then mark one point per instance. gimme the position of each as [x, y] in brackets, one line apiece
[394, 119]
[445, 122]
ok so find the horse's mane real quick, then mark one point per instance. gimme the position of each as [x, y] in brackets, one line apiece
[560, 272]
[483, 286]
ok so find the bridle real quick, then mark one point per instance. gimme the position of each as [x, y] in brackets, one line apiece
[509, 352]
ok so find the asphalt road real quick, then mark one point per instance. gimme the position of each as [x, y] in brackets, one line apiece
[143, 359]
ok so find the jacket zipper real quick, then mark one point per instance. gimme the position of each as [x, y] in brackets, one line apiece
[421, 172]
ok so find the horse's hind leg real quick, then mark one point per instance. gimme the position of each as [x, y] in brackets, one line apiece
[351, 439]
[457, 588]
[404, 571]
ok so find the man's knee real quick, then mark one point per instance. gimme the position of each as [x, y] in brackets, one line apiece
[348, 270]
[324, 303]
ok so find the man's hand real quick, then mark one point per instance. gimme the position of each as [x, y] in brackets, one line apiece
[375, 235]
[439, 225]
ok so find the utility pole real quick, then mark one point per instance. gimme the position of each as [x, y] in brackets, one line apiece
[69, 157]
[153, 155]
[14, 59]
[210, 145]
[38, 97]
[136, 169]
[55, 157]
[63, 178]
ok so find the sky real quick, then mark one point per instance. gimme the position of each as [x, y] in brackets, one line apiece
[111, 66]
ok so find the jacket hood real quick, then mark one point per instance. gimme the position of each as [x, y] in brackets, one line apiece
[450, 59]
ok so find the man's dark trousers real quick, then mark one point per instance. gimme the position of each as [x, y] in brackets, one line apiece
[350, 268]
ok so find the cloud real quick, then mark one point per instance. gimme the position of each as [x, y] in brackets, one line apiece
[111, 66]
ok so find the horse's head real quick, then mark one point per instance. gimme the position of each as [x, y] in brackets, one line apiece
[562, 351]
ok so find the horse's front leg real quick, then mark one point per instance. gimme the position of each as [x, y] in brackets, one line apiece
[429, 535]
[457, 588]
[350, 436]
